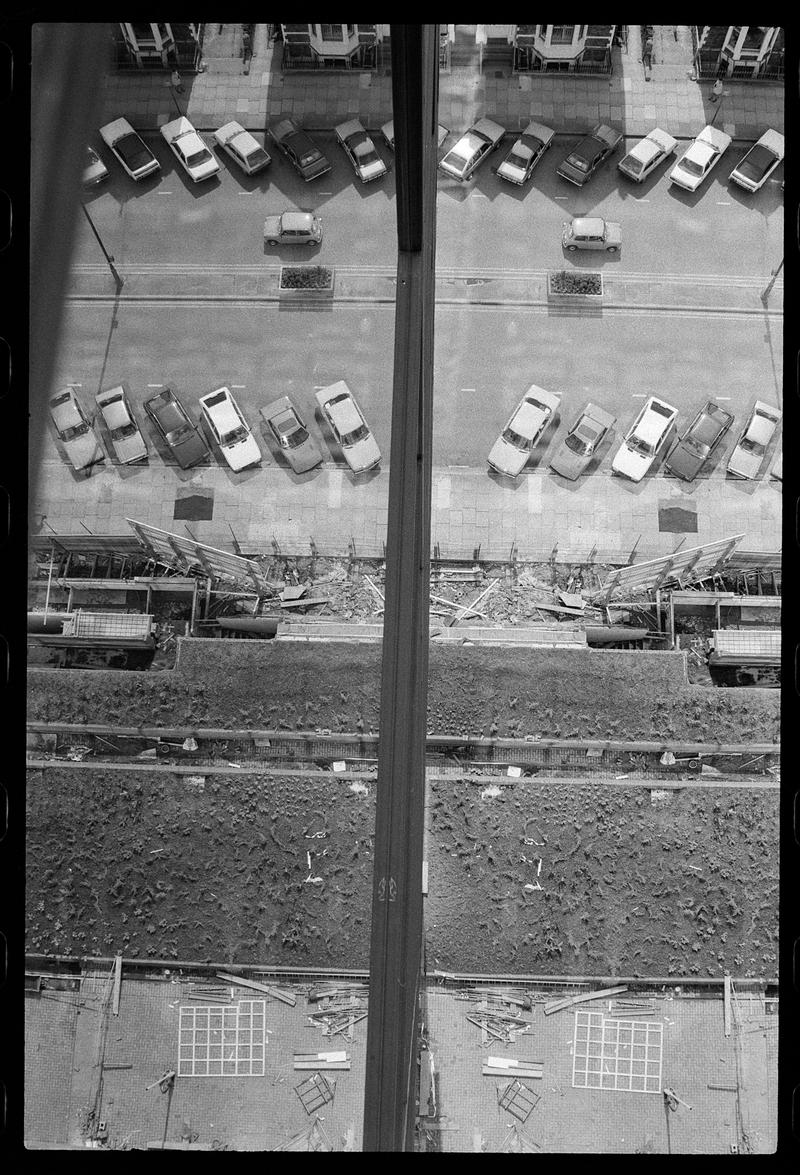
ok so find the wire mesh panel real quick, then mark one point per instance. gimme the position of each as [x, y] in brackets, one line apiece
[220, 1041]
[616, 1054]
[315, 1092]
[518, 1099]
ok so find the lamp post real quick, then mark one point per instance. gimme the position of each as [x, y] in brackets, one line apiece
[108, 256]
[772, 279]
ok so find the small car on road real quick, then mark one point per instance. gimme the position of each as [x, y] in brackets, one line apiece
[648, 154]
[127, 442]
[347, 423]
[75, 431]
[189, 149]
[645, 439]
[524, 428]
[753, 171]
[230, 429]
[172, 421]
[243, 148]
[129, 149]
[387, 130]
[472, 148]
[696, 163]
[293, 228]
[528, 149]
[688, 455]
[360, 150]
[299, 148]
[582, 441]
[745, 460]
[291, 435]
[591, 232]
[593, 149]
[95, 170]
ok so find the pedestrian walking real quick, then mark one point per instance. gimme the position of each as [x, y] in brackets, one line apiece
[716, 91]
[176, 82]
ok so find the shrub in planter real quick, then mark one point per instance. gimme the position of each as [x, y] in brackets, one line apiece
[306, 277]
[569, 282]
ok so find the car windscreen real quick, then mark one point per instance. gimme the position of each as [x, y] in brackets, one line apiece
[358, 434]
[577, 445]
[257, 155]
[692, 166]
[516, 160]
[578, 162]
[234, 436]
[198, 157]
[513, 438]
[133, 151]
[755, 163]
[69, 434]
[124, 430]
[633, 164]
[637, 445]
[296, 438]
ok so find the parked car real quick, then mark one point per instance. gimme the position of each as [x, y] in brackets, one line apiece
[129, 148]
[528, 149]
[127, 442]
[746, 458]
[648, 154]
[293, 228]
[291, 435]
[243, 148]
[524, 429]
[74, 431]
[582, 441]
[688, 455]
[645, 439]
[753, 171]
[95, 170]
[703, 154]
[472, 148]
[172, 421]
[230, 429]
[387, 130]
[189, 149]
[299, 148]
[591, 232]
[585, 158]
[360, 150]
[349, 427]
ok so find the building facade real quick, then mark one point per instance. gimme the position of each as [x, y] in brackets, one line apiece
[562, 48]
[150, 46]
[333, 46]
[739, 51]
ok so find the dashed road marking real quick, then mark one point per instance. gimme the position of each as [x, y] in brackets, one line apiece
[478, 196]
[638, 395]
[160, 193]
[722, 397]
[723, 201]
[238, 385]
[469, 389]
[642, 199]
[72, 384]
[562, 197]
[155, 385]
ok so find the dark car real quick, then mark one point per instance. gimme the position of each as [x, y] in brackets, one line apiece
[582, 442]
[585, 158]
[693, 449]
[171, 419]
[301, 151]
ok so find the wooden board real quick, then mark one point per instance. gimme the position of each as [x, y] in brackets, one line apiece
[285, 996]
[568, 1001]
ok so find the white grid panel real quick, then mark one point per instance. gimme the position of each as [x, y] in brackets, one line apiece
[616, 1054]
[222, 1041]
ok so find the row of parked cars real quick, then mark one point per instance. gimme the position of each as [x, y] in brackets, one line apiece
[644, 441]
[226, 424]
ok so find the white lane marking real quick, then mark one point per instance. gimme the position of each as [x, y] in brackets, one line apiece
[71, 384]
[562, 197]
[325, 193]
[155, 385]
[478, 196]
[722, 397]
[469, 389]
[238, 385]
[723, 201]
[160, 193]
[638, 395]
[642, 199]
[246, 193]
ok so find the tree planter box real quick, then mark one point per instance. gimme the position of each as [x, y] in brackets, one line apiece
[566, 283]
[299, 281]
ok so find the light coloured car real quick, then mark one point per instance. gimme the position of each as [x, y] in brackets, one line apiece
[129, 149]
[689, 454]
[696, 164]
[360, 150]
[528, 149]
[645, 439]
[387, 130]
[582, 441]
[299, 148]
[472, 148]
[524, 428]
[347, 423]
[230, 429]
[74, 431]
[243, 148]
[591, 232]
[291, 435]
[760, 161]
[189, 149]
[745, 460]
[648, 154]
[172, 421]
[593, 150]
[95, 170]
[127, 442]
[293, 228]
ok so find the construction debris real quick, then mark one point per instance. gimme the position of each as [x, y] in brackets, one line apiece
[560, 1005]
[285, 997]
[329, 1060]
[630, 1009]
[510, 1067]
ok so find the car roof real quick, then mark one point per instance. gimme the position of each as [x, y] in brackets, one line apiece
[527, 418]
[645, 150]
[231, 128]
[352, 126]
[282, 404]
[223, 411]
[178, 126]
[486, 126]
[774, 140]
[117, 128]
[701, 151]
[64, 409]
[589, 225]
[286, 126]
[652, 423]
[539, 131]
[298, 220]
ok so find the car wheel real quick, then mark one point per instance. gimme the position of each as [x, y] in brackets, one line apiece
[272, 242]
[611, 249]
[572, 248]
[312, 243]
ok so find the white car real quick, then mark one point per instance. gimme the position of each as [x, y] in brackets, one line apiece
[129, 149]
[387, 130]
[230, 429]
[94, 169]
[759, 162]
[648, 154]
[704, 153]
[74, 430]
[360, 150]
[242, 147]
[293, 228]
[347, 423]
[473, 147]
[746, 458]
[189, 149]
[525, 427]
[127, 442]
[645, 439]
[528, 149]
